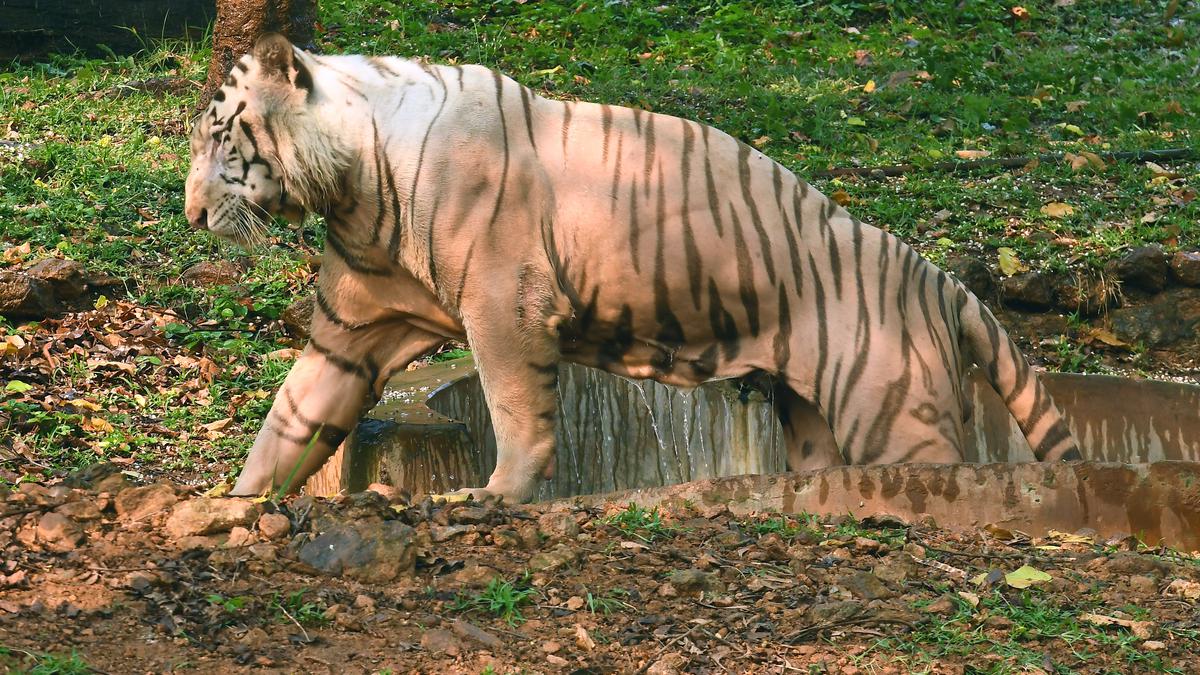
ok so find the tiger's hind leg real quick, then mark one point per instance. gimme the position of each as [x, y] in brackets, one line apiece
[900, 420]
[809, 440]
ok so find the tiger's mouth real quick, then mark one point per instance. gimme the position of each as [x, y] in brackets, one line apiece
[239, 220]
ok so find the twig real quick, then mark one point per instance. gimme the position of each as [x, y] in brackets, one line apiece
[1002, 162]
[285, 613]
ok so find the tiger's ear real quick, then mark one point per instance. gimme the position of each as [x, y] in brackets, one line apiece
[279, 62]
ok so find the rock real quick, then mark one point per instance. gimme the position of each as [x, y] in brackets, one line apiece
[549, 561]
[274, 525]
[371, 552]
[208, 273]
[1143, 585]
[583, 640]
[474, 576]
[944, 605]
[506, 538]
[1158, 324]
[555, 660]
[575, 603]
[1128, 563]
[210, 516]
[1185, 267]
[139, 502]
[867, 586]
[441, 641]
[974, 274]
[391, 494]
[893, 572]
[88, 476]
[558, 525]
[469, 631]
[22, 296]
[1154, 645]
[40, 495]
[695, 581]
[63, 277]
[1145, 267]
[469, 515]
[671, 663]
[84, 510]
[868, 545]
[440, 533]
[298, 316]
[364, 602]
[58, 533]
[1031, 290]
[551, 647]
[239, 537]
[667, 591]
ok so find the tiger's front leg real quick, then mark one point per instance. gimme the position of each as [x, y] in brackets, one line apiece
[338, 377]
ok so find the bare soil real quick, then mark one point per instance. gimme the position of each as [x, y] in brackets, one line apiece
[608, 591]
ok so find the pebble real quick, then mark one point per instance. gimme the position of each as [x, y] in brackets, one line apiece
[274, 525]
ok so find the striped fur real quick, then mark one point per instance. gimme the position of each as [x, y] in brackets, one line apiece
[461, 204]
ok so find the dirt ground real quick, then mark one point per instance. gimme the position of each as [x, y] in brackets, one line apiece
[155, 579]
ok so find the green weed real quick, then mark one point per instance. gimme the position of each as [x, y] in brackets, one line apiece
[501, 598]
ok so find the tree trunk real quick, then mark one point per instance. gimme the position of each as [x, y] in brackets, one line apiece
[241, 22]
[30, 28]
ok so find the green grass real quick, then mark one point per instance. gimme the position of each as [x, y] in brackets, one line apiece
[295, 606]
[21, 662]
[607, 602]
[1037, 622]
[641, 523]
[99, 178]
[501, 598]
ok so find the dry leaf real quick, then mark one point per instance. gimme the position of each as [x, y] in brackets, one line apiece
[841, 197]
[1010, 264]
[1161, 171]
[972, 154]
[585, 641]
[1057, 210]
[1107, 338]
[869, 87]
[1075, 106]
[1182, 588]
[1140, 629]
[1150, 217]
[98, 424]
[220, 424]
[761, 141]
[970, 597]
[285, 354]
[1019, 13]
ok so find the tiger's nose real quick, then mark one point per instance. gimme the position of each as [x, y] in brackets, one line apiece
[200, 221]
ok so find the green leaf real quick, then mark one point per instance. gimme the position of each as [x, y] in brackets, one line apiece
[17, 387]
[856, 122]
[1025, 576]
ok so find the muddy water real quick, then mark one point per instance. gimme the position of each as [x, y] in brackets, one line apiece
[432, 432]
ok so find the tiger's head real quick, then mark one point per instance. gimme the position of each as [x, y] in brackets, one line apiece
[261, 149]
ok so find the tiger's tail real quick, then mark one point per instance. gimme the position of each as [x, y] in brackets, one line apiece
[1017, 383]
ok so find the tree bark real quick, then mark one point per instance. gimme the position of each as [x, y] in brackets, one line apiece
[241, 22]
[30, 28]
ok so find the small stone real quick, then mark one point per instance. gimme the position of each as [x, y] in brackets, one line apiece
[1143, 585]
[892, 572]
[210, 516]
[297, 317]
[58, 533]
[274, 525]
[255, 637]
[506, 539]
[137, 503]
[1145, 267]
[85, 510]
[39, 495]
[468, 630]
[558, 525]
[239, 537]
[474, 576]
[997, 621]
[666, 591]
[583, 640]
[441, 641]
[1154, 645]
[549, 561]
[264, 552]
[364, 602]
[551, 647]
[943, 605]
[1130, 563]
[1185, 267]
[333, 610]
[1157, 324]
[915, 550]
[208, 273]
[469, 515]
[367, 551]
[386, 491]
[974, 274]
[867, 586]
[555, 660]
[671, 663]
[867, 545]
[440, 533]
[695, 581]
[575, 603]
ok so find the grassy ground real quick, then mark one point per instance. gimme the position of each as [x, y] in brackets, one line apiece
[94, 171]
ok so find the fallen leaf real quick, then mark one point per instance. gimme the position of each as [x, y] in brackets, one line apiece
[1111, 340]
[17, 386]
[98, 424]
[970, 597]
[1150, 217]
[869, 87]
[841, 197]
[1057, 210]
[1140, 629]
[972, 154]
[761, 141]
[1182, 588]
[1010, 264]
[585, 641]
[285, 354]
[1073, 128]
[85, 404]
[1019, 13]
[1075, 106]
[856, 122]
[1161, 171]
[1026, 576]
[101, 302]
[214, 427]
[862, 57]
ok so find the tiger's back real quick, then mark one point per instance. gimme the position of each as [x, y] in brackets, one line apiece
[646, 245]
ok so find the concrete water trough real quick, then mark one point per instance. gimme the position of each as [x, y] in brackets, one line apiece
[1140, 440]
